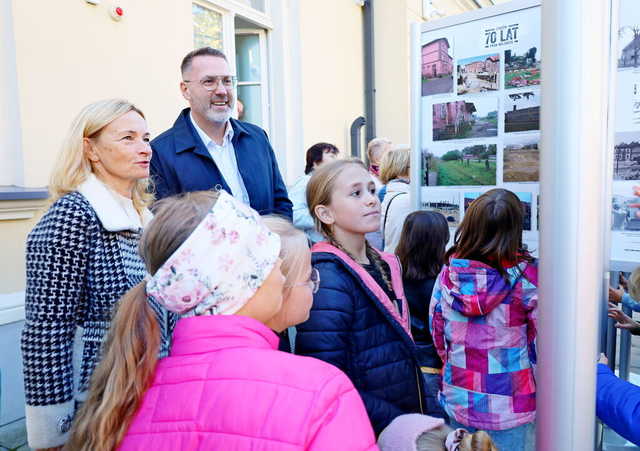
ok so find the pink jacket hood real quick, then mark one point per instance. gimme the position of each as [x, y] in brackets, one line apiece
[475, 288]
[226, 387]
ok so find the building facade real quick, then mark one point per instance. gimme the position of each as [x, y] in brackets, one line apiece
[436, 61]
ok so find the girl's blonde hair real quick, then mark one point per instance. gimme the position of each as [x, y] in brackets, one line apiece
[320, 189]
[434, 440]
[133, 342]
[72, 167]
[395, 164]
[293, 243]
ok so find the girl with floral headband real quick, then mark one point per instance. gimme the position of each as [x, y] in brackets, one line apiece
[224, 385]
[360, 318]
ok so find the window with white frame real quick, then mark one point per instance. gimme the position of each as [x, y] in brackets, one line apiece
[240, 29]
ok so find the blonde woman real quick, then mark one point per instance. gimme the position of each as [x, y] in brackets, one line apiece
[396, 204]
[81, 257]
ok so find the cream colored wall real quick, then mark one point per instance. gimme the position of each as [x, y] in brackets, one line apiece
[332, 72]
[70, 53]
[392, 24]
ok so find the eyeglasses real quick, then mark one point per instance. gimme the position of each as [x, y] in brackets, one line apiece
[212, 83]
[313, 282]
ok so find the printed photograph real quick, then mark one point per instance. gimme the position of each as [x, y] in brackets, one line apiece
[626, 156]
[521, 159]
[625, 208]
[478, 74]
[629, 36]
[445, 202]
[463, 119]
[470, 197]
[521, 68]
[459, 166]
[525, 200]
[437, 67]
[522, 112]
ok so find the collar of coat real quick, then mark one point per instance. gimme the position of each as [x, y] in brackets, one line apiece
[186, 137]
[110, 212]
[371, 284]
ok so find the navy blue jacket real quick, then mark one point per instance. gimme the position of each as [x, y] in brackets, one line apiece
[350, 328]
[418, 293]
[181, 163]
[618, 404]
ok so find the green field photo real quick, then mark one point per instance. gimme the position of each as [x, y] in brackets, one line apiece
[459, 166]
[459, 172]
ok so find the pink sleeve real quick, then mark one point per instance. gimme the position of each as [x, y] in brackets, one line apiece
[341, 421]
[436, 322]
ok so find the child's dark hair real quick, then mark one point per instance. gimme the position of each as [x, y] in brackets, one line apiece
[491, 231]
[315, 154]
[422, 245]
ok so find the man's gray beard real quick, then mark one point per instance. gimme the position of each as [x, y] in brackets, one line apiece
[219, 118]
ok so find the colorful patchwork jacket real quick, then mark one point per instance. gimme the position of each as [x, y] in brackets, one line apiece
[484, 328]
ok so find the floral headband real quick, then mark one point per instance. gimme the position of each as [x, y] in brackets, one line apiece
[221, 265]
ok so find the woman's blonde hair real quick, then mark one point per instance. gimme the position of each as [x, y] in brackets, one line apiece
[131, 349]
[434, 440]
[293, 242]
[72, 167]
[395, 164]
[320, 189]
[634, 284]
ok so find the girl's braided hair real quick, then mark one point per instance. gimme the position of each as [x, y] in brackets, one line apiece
[319, 191]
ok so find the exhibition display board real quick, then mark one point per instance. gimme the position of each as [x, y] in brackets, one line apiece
[625, 205]
[479, 125]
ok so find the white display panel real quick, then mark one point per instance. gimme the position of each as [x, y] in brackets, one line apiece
[480, 110]
[625, 206]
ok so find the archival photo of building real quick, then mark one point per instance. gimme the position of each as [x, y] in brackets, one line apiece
[629, 35]
[445, 202]
[478, 74]
[626, 156]
[465, 119]
[522, 112]
[521, 68]
[437, 67]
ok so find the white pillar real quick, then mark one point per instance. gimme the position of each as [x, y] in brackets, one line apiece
[574, 183]
[11, 164]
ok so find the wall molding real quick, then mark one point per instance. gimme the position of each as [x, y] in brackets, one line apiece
[20, 208]
[11, 307]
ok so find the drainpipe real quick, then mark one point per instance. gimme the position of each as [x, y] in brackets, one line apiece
[356, 125]
[369, 71]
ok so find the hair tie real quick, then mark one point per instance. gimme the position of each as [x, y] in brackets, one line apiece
[454, 438]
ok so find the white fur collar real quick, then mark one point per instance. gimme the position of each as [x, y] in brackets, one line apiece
[114, 214]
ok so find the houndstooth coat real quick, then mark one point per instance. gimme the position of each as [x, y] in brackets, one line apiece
[81, 257]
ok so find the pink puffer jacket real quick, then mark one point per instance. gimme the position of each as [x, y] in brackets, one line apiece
[226, 387]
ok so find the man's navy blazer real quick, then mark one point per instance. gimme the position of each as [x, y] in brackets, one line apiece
[181, 163]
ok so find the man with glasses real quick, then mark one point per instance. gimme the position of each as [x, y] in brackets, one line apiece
[207, 149]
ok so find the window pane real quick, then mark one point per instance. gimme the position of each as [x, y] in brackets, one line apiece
[248, 57]
[255, 4]
[251, 98]
[207, 27]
